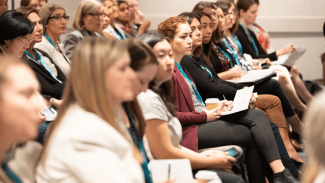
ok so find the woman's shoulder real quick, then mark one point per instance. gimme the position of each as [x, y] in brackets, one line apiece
[81, 125]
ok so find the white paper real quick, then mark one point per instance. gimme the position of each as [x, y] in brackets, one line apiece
[241, 101]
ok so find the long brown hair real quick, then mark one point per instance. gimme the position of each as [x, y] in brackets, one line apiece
[141, 56]
[86, 85]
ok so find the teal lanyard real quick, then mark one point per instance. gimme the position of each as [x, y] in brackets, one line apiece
[13, 177]
[204, 68]
[232, 50]
[120, 35]
[238, 44]
[198, 96]
[48, 38]
[39, 60]
[138, 142]
[253, 42]
[225, 54]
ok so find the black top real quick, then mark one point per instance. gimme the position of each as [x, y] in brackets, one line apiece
[209, 87]
[248, 45]
[219, 61]
[50, 87]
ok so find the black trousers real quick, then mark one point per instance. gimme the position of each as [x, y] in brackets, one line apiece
[273, 87]
[250, 129]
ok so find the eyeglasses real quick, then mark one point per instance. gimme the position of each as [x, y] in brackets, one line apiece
[233, 13]
[96, 15]
[25, 41]
[60, 18]
[35, 5]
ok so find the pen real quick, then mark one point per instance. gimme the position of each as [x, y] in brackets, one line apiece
[168, 172]
[224, 97]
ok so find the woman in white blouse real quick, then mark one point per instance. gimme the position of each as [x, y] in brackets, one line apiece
[54, 20]
[86, 143]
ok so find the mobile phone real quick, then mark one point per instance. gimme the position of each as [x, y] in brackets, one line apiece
[232, 152]
[49, 113]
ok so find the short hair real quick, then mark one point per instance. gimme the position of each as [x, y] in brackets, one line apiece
[168, 27]
[245, 4]
[85, 7]
[24, 2]
[13, 24]
[204, 4]
[27, 10]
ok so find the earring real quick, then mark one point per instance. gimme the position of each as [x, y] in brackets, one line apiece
[6, 46]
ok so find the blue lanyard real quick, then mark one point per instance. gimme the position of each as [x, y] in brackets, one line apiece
[253, 42]
[48, 38]
[39, 60]
[138, 142]
[120, 35]
[204, 68]
[225, 54]
[192, 84]
[231, 50]
[238, 44]
[10, 174]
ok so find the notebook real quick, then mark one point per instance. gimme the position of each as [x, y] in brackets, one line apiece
[241, 101]
[255, 77]
[291, 58]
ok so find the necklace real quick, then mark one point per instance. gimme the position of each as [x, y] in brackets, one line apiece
[3, 51]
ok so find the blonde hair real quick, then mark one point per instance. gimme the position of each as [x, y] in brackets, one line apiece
[87, 85]
[314, 134]
[85, 7]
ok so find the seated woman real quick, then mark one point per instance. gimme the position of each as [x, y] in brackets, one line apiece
[248, 9]
[54, 21]
[178, 32]
[49, 75]
[88, 21]
[17, 36]
[18, 90]
[145, 64]
[106, 21]
[113, 29]
[87, 142]
[211, 55]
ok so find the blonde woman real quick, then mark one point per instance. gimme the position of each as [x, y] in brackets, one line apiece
[85, 144]
[315, 137]
[88, 21]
